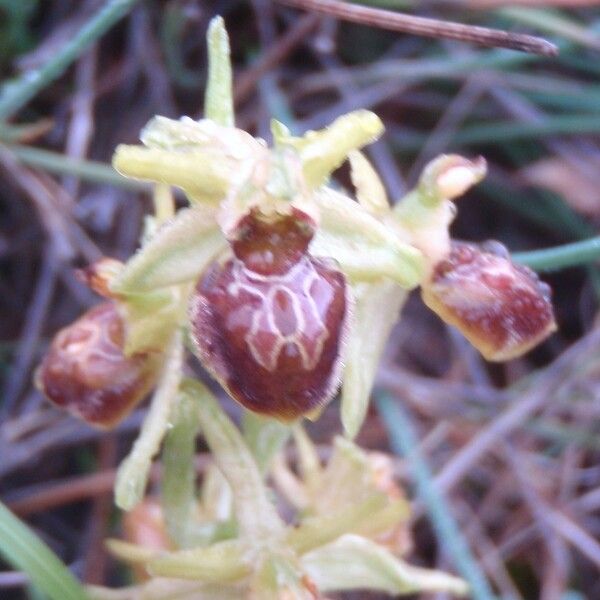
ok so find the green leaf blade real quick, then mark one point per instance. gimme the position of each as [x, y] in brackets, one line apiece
[25, 551]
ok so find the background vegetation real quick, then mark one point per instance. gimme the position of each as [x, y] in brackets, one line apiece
[511, 451]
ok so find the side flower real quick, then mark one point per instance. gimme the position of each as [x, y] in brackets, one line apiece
[502, 308]
[86, 371]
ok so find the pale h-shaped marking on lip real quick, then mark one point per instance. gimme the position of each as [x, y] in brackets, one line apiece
[263, 319]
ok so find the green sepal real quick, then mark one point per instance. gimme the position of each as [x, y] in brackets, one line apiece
[201, 173]
[218, 99]
[216, 496]
[161, 588]
[377, 307]
[316, 531]
[348, 478]
[309, 464]
[179, 502]
[186, 135]
[265, 437]
[353, 562]
[370, 192]
[151, 318]
[365, 248]
[280, 577]
[134, 554]
[222, 562]
[201, 157]
[178, 253]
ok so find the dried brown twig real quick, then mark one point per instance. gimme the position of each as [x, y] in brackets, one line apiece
[427, 27]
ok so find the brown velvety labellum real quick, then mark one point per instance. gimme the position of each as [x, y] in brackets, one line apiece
[269, 323]
[86, 373]
[502, 308]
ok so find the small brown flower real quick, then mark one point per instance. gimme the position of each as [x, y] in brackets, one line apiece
[269, 323]
[86, 372]
[502, 308]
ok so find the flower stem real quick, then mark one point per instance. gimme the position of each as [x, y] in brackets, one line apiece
[560, 257]
[16, 94]
[404, 442]
[256, 514]
[133, 472]
[178, 484]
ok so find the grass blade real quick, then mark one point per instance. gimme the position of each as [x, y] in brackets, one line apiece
[404, 442]
[560, 257]
[25, 551]
[16, 94]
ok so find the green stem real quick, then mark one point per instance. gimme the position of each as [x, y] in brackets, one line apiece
[133, 472]
[560, 257]
[178, 482]
[16, 94]
[404, 442]
[24, 550]
[256, 514]
[265, 437]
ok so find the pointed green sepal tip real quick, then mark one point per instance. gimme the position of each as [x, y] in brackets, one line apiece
[218, 100]
[281, 133]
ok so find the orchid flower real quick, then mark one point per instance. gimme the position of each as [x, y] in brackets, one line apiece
[286, 287]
